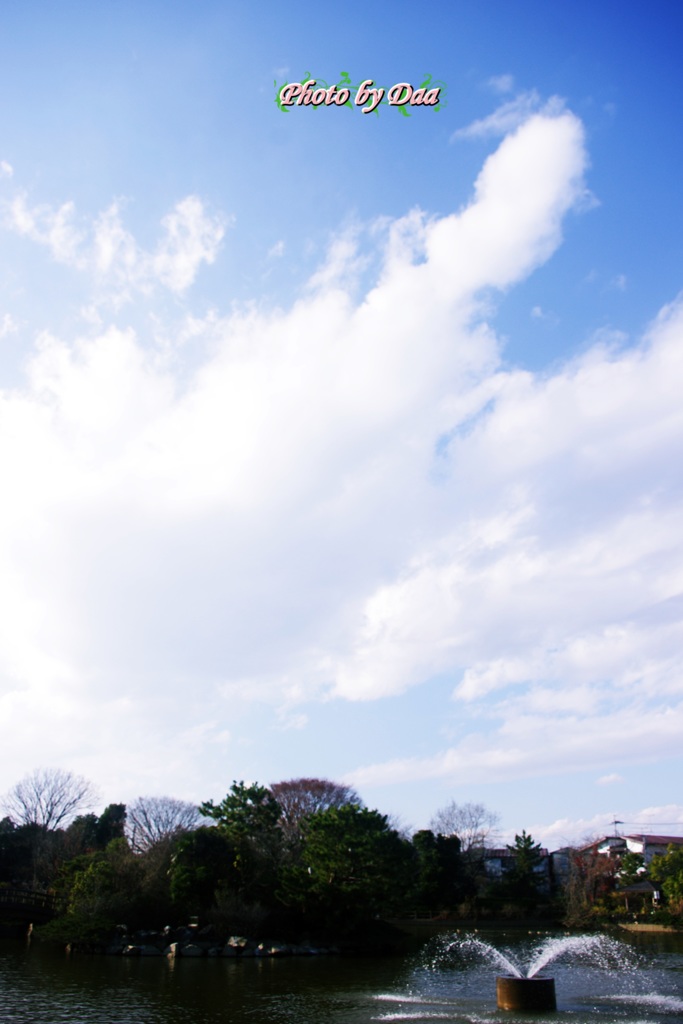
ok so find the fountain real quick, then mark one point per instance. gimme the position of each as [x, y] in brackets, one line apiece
[599, 979]
[523, 987]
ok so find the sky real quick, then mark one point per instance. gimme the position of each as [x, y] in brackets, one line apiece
[344, 444]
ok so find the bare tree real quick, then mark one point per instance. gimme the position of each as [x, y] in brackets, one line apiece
[151, 819]
[298, 798]
[590, 876]
[473, 824]
[49, 797]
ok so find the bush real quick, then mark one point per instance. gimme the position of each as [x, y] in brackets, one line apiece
[78, 929]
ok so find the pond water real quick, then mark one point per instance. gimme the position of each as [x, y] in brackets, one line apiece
[44, 986]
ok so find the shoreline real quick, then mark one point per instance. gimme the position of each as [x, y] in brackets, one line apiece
[635, 927]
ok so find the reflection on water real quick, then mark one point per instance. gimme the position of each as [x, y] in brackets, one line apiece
[42, 986]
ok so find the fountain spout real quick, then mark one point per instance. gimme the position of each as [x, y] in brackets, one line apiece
[526, 994]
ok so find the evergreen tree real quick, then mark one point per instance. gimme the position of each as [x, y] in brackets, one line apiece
[248, 817]
[439, 874]
[522, 880]
[204, 861]
[353, 865]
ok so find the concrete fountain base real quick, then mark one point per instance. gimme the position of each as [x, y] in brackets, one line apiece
[526, 993]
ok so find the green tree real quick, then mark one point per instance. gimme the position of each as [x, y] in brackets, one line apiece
[352, 865]
[97, 891]
[203, 862]
[111, 824]
[631, 869]
[248, 817]
[246, 811]
[17, 844]
[44, 802]
[438, 871]
[107, 883]
[522, 880]
[90, 832]
[80, 836]
[666, 870]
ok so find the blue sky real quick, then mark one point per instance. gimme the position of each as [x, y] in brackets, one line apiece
[345, 445]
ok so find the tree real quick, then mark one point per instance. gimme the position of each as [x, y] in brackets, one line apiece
[438, 871]
[99, 890]
[299, 798]
[248, 816]
[522, 880]
[245, 811]
[49, 797]
[667, 870]
[590, 881]
[106, 882]
[80, 837]
[111, 824]
[16, 851]
[40, 803]
[154, 819]
[631, 869]
[473, 824]
[352, 865]
[203, 861]
[90, 832]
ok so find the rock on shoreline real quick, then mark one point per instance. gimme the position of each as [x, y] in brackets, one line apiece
[187, 942]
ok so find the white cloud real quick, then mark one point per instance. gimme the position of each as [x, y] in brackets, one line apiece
[562, 617]
[190, 237]
[502, 83]
[508, 116]
[277, 250]
[664, 820]
[114, 249]
[52, 228]
[612, 779]
[538, 313]
[8, 325]
[345, 497]
[657, 819]
[528, 745]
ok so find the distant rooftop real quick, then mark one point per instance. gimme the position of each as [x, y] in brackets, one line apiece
[658, 840]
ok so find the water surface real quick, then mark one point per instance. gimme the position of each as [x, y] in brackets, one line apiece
[43, 986]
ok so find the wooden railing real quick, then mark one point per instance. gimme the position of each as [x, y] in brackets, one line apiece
[27, 898]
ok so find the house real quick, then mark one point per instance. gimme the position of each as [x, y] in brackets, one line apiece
[499, 862]
[607, 846]
[648, 846]
[651, 846]
[560, 865]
